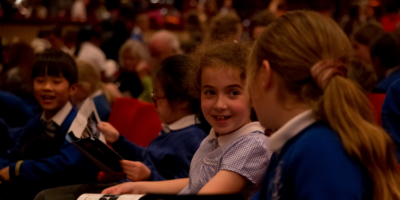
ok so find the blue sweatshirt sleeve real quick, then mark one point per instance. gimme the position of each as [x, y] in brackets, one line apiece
[180, 163]
[13, 154]
[52, 168]
[391, 115]
[128, 150]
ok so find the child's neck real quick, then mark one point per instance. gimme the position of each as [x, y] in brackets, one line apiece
[244, 124]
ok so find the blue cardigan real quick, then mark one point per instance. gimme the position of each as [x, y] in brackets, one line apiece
[391, 115]
[314, 165]
[383, 86]
[168, 156]
[102, 106]
[51, 163]
[14, 110]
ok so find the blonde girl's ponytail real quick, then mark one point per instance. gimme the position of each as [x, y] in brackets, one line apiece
[347, 110]
[309, 52]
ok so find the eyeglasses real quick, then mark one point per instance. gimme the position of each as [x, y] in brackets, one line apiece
[154, 98]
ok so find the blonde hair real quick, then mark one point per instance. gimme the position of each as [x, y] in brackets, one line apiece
[87, 73]
[293, 44]
[135, 47]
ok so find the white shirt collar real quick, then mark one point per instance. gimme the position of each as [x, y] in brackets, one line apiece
[246, 129]
[97, 93]
[60, 116]
[180, 123]
[290, 129]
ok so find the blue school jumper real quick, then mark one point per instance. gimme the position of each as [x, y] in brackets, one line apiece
[48, 162]
[391, 115]
[168, 156]
[383, 86]
[102, 106]
[314, 165]
[14, 110]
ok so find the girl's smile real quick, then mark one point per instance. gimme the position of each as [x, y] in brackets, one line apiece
[224, 102]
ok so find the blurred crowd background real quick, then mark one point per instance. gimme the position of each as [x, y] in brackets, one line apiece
[92, 29]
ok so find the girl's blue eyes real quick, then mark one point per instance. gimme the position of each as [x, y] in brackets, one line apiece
[231, 93]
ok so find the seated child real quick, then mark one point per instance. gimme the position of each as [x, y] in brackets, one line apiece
[90, 85]
[43, 158]
[235, 155]
[168, 156]
[326, 144]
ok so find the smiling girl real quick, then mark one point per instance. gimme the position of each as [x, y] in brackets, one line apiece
[233, 158]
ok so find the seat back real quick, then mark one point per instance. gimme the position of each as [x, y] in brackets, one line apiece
[376, 100]
[136, 120]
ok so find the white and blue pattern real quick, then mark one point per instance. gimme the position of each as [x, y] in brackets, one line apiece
[247, 155]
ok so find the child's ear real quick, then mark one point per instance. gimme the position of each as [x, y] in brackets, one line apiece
[73, 89]
[266, 74]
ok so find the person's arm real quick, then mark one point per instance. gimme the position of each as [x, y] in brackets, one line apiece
[127, 149]
[51, 168]
[153, 187]
[225, 182]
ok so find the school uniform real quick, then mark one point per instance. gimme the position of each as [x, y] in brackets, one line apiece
[245, 152]
[102, 105]
[169, 155]
[391, 115]
[43, 158]
[392, 76]
[310, 162]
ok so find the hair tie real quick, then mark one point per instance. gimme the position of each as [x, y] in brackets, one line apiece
[323, 71]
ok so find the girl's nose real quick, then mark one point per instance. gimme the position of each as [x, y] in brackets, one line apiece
[220, 104]
[47, 85]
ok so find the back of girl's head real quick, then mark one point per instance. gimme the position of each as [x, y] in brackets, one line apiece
[297, 43]
[229, 55]
[368, 32]
[55, 63]
[171, 75]
[87, 73]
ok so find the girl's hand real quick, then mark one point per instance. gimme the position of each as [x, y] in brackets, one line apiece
[5, 174]
[126, 188]
[110, 133]
[135, 171]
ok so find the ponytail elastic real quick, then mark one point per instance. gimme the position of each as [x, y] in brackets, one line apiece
[323, 71]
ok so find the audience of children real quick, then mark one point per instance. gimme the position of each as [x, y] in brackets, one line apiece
[168, 156]
[306, 81]
[43, 158]
[327, 145]
[235, 155]
[90, 85]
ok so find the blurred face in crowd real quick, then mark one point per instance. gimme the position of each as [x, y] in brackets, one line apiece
[131, 60]
[164, 109]
[159, 50]
[83, 91]
[52, 93]
[362, 51]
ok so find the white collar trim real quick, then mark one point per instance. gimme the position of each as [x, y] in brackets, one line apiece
[290, 129]
[246, 129]
[180, 124]
[60, 116]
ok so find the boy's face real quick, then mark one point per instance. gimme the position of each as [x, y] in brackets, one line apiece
[52, 93]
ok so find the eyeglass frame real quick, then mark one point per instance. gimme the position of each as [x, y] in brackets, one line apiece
[155, 99]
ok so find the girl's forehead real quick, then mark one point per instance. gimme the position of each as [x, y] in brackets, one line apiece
[221, 76]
